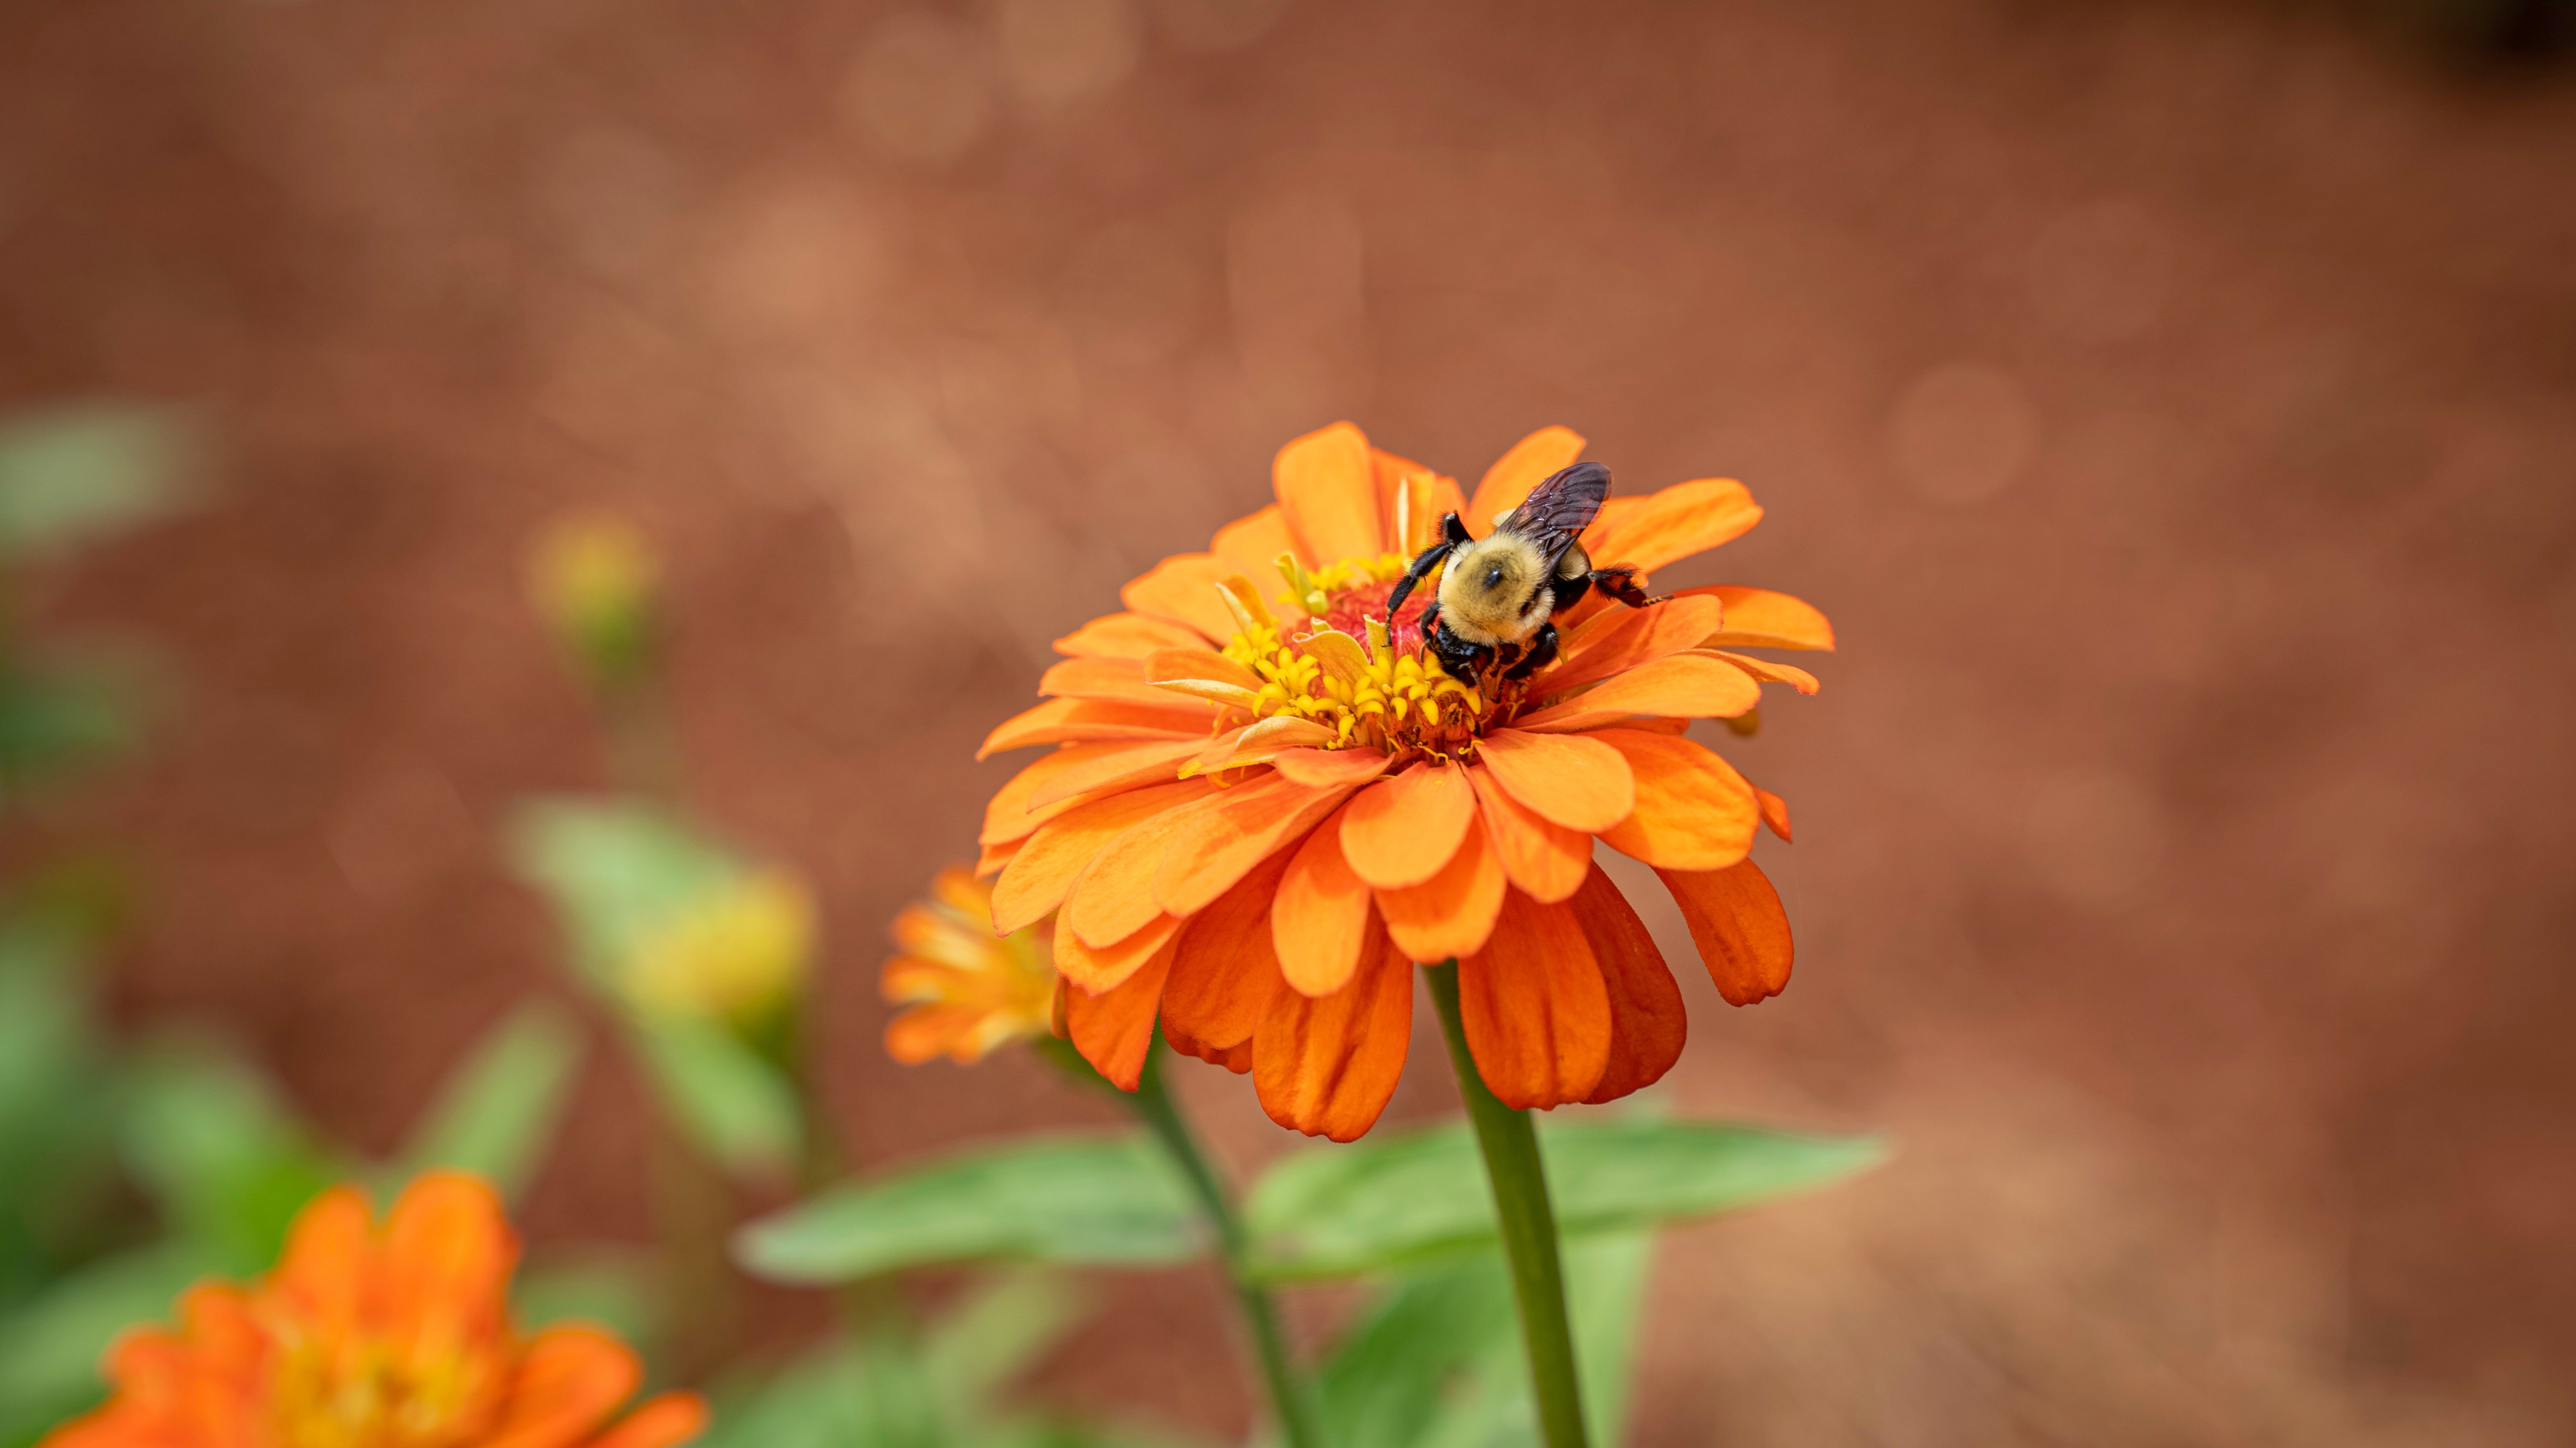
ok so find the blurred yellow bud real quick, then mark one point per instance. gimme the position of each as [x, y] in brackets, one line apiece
[736, 954]
[593, 578]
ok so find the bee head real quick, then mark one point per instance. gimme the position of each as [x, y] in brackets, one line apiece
[1488, 585]
[1498, 569]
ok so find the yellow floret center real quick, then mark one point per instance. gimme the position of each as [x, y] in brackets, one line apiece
[360, 1391]
[1313, 592]
[1366, 693]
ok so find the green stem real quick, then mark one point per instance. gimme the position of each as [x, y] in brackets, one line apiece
[1152, 1102]
[1519, 1180]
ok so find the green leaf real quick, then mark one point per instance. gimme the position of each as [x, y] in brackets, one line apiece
[1111, 1200]
[498, 1108]
[618, 871]
[228, 1166]
[848, 1395]
[61, 711]
[619, 874]
[731, 1101]
[1436, 1361]
[1397, 1198]
[50, 1349]
[606, 1288]
[58, 1174]
[1605, 1294]
[74, 474]
[1006, 1323]
[1421, 1339]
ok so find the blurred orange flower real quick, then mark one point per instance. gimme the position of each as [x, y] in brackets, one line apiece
[398, 1338]
[1262, 810]
[968, 991]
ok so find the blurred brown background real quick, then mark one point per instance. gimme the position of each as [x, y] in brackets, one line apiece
[2171, 404]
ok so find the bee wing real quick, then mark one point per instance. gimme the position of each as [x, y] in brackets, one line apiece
[1561, 506]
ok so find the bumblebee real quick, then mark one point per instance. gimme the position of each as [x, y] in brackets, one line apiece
[1499, 591]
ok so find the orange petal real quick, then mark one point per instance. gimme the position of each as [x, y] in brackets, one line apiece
[1683, 686]
[1647, 1025]
[1694, 812]
[1320, 768]
[1320, 921]
[1108, 967]
[149, 1365]
[1757, 618]
[1114, 1030]
[1114, 898]
[1675, 523]
[666, 1421]
[1510, 479]
[1451, 914]
[568, 1380]
[1541, 857]
[1327, 1066]
[1767, 671]
[324, 1265]
[1775, 811]
[1165, 666]
[1233, 832]
[994, 857]
[1118, 681]
[1225, 970]
[1536, 1012]
[1261, 742]
[1613, 509]
[1330, 499]
[1582, 784]
[1628, 638]
[448, 1256]
[1125, 636]
[927, 1032]
[1188, 1045]
[1109, 768]
[1182, 589]
[1736, 921]
[228, 1333]
[1036, 879]
[1084, 721]
[1401, 831]
[1251, 546]
[1007, 816]
[1411, 498]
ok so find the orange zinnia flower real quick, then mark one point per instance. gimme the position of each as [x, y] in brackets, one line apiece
[968, 991]
[1264, 807]
[397, 1338]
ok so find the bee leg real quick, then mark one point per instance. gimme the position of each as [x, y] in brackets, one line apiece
[1460, 659]
[1621, 583]
[1423, 563]
[1537, 654]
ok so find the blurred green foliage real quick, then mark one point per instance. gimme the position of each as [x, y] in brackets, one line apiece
[939, 1388]
[1109, 1200]
[70, 477]
[1391, 1201]
[1396, 1198]
[628, 881]
[1434, 1360]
